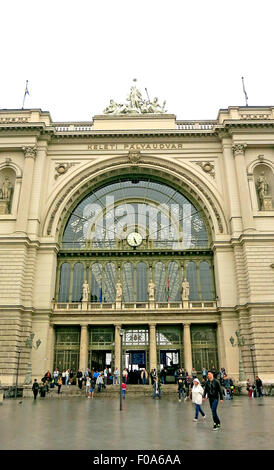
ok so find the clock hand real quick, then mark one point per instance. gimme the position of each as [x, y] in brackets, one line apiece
[134, 240]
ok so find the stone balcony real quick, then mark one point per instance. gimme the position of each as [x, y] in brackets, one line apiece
[131, 306]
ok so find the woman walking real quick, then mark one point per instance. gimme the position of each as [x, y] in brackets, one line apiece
[197, 398]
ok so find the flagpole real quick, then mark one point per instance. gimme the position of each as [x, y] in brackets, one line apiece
[26, 93]
[246, 98]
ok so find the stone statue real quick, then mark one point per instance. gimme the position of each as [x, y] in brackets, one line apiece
[135, 99]
[185, 290]
[151, 289]
[85, 292]
[136, 104]
[29, 340]
[262, 186]
[119, 292]
[5, 190]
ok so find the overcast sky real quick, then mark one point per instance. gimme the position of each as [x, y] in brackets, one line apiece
[77, 55]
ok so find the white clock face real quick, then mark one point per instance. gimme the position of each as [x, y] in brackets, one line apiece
[134, 239]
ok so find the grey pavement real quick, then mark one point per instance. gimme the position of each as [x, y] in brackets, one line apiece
[79, 423]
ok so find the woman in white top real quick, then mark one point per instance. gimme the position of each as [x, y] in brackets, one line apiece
[197, 398]
[88, 381]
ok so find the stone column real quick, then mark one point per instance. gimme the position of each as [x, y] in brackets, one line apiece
[152, 346]
[187, 348]
[26, 190]
[83, 362]
[220, 344]
[244, 195]
[117, 352]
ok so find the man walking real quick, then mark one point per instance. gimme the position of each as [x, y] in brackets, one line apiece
[213, 391]
[35, 388]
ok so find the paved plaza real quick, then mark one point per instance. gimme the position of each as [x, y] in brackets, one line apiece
[143, 424]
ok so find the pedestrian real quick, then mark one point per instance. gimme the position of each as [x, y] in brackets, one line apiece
[79, 377]
[106, 371]
[43, 389]
[193, 373]
[67, 376]
[259, 386]
[197, 398]
[64, 377]
[59, 384]
[163, 376]
[125, 375]
[35, 388]
[71, 375]
[181, 389]
[99, 382]
[204, 374]
[55, 375]
[124, 389]
[116, 376]
[213, 391]
[88, 382]
[188, 382]
[144, 376]
[92, 387]
[156, 389]
[249, 388]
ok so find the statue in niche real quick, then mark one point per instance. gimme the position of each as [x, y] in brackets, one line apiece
[151, 290]
[185, 290]
[119, 291]
[6, 189]
[262, 187]
[85, 292]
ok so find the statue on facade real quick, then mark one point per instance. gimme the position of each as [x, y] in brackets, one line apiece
[136, 104]
[119, 292]
[85, 292]
[262, 187]
[151, 290]
[6, 189]
[185, 290]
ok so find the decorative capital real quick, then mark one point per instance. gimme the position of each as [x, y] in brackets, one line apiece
[239, 149]
[30, 152]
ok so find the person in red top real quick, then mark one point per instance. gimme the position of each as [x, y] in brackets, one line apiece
[124, 387]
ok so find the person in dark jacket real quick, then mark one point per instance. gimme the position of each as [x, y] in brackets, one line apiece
[213, 391]
[259, 385]
[35, 388]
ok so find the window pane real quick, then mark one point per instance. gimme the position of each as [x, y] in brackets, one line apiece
[206, 281]
[110, 284]
[63, 295]
[128, 283]
[78, 279]
[141, 279]
[96, 283]
[191, 272]
[161, 293]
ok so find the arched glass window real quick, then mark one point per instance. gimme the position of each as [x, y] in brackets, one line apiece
[191, 273]
[173, 283]
[206, 281]
[141, 282]
[128, 282]
[161, 288]
[110, 283]
[96, 283]
[78, 279]
[63, 295]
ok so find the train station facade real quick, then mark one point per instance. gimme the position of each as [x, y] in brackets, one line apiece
[140, 222]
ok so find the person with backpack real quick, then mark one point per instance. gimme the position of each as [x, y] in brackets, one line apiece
[35, 388]
[59, 384]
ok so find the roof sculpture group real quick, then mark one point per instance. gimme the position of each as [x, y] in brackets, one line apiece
[136, 104]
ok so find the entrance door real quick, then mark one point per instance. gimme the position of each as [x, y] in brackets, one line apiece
[135, 361]
[170, 361]
[99, 360]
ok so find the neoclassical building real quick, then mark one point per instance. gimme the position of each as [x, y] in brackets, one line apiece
[140, 222]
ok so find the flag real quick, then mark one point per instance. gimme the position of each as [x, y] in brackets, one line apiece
[101, 295]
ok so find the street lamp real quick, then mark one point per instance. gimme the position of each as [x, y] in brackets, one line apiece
[121, 332]
[252, 348]
[17, 372]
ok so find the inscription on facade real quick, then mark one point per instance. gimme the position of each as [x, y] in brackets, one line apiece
[135, 146]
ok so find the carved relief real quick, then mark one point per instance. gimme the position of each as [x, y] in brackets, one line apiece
[239, 149]
[207, 167]
[134, 156]
[62, 168]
